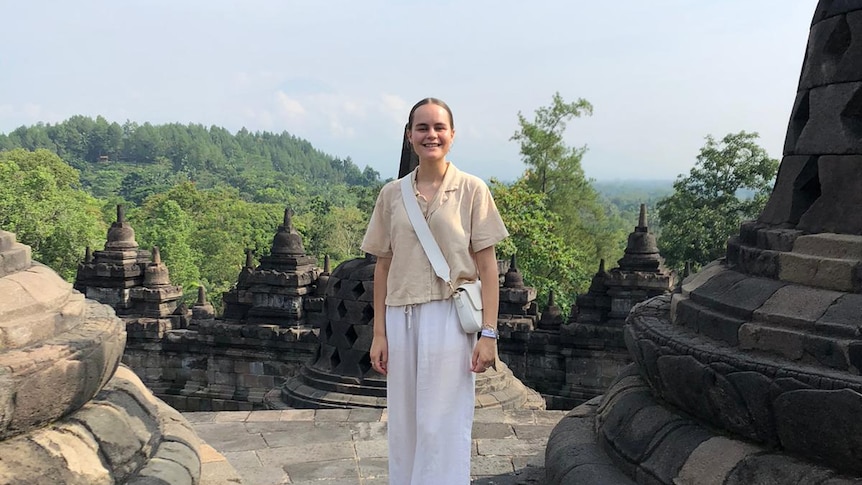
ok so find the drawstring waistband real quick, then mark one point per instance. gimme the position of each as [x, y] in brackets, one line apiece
[408, 310]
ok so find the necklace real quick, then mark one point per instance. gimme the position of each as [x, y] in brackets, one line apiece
[432, 186]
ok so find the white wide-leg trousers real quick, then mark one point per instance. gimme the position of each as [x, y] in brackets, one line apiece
[430, 395]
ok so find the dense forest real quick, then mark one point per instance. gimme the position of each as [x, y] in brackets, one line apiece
[134, 161]
[204, 195]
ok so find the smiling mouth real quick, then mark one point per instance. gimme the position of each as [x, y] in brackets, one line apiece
[431, 145]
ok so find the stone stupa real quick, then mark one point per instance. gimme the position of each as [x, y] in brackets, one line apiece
[751, 373]
[69, 413]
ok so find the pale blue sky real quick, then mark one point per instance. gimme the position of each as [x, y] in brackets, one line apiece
[661, 75]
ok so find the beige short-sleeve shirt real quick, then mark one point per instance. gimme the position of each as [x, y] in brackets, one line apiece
[463, 218]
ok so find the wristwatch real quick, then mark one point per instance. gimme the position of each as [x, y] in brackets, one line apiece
[489, 332]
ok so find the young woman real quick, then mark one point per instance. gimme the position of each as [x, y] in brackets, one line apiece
[418, 342]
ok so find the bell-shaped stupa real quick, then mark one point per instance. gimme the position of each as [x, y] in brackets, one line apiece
[752, 372]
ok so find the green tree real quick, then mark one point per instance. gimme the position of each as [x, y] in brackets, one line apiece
[348, 227]
[211, 230]
[730, 182]
[554, 170]
[170, 228]
[553, 165]
[545, 259]
[41, 200]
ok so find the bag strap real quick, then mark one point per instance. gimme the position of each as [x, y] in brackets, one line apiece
[423, 232]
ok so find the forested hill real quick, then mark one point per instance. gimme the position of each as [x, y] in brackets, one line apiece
[134, 161]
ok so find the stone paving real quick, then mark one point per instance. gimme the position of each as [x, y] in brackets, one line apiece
[348, 446]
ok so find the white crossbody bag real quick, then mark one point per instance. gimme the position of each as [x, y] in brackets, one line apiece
[467, 296]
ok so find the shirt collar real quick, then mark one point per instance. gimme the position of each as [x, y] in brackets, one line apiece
[451, 179]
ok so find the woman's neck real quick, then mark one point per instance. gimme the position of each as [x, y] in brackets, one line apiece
[431, 171]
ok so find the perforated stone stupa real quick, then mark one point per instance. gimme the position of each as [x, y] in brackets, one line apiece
[341, 375]
[751, 374]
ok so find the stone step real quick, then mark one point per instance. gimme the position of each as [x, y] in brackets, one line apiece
[299, 395]
[27, 330]
[734, 293]
[802, 347]
[718, 303]
[813, 310]
[826, 339]
[780, 386]
[828, 245]
[14, 259]
[822, 272]
[36, 290]
[37, 305]
[7, 240]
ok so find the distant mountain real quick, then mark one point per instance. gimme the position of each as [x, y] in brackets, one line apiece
[649, 189]
[132, 161]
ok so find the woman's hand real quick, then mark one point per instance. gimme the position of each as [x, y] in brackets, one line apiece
[484, 355]
[485, 352]
[379, 353]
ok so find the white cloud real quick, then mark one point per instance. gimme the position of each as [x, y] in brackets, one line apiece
[290, 107]
[256, 79]
[395, 107]
[336, 115]
[353, 108]
[340, 130]
[30, 113]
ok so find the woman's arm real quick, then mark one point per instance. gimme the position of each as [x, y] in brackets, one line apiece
[379, 346]
[485, 353]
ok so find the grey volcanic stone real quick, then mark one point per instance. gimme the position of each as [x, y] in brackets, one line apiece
[776, 470]
[60, 374]
[123, 449]
[797, 306]
[832, 8]
[822, 424]
[854, 355]
[793, 193]
[832, 51]
[754, 387]
[735, 293]
[618, 418]
[711, 323]
[159, 471]
[669, 452]
[837, 209]
[701, 391]
[827, 130]
[713, 460]
[843, 316]
[572, 455]
[648, 353]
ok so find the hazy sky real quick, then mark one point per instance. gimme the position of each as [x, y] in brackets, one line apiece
[661, 74]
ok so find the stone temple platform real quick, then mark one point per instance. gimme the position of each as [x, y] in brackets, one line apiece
[349, 447]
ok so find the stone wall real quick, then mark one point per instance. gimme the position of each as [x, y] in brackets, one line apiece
[572, 359]
[218, 366]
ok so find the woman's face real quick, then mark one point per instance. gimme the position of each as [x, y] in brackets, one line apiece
[431, 134]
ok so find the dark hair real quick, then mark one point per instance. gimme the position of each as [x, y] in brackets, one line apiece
[409, 160]
[425, 101]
